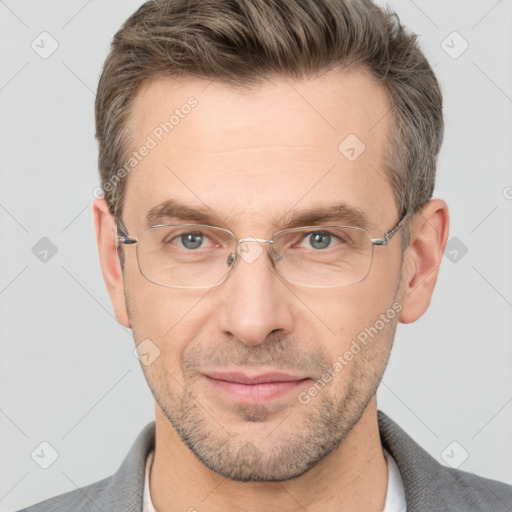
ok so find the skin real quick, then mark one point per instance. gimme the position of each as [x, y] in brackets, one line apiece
[252, 155]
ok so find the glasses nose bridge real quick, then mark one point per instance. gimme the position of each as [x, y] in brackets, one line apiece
[241, 241]
[252, 239]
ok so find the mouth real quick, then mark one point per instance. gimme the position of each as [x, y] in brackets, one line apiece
[255, 389]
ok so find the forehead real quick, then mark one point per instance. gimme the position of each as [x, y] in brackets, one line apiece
[252, 155]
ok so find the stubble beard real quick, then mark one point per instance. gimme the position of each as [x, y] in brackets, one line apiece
[291, 446]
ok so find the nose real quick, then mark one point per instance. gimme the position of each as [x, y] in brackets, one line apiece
[255, 302]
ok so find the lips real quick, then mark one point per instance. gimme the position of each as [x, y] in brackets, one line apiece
[254, 388]
[242, 378]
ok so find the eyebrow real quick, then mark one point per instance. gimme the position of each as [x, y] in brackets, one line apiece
[174, 210]
[342, 214]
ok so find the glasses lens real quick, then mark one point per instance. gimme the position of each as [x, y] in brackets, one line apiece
[198, 256]
[324, 256]
[186, 255]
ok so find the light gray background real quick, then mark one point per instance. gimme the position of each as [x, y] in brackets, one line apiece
[68, 375]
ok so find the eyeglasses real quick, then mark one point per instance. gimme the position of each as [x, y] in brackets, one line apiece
[198, 256]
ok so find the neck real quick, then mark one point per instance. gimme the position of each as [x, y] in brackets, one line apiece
[352, 477]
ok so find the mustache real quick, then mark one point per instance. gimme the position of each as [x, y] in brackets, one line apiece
[278, 353]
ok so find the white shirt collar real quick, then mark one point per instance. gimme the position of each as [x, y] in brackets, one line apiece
[395, 497]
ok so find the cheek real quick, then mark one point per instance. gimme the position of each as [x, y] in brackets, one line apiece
[342, 312]
[167, 317]
[355, 325]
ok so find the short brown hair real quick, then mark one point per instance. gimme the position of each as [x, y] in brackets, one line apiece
[244, 42]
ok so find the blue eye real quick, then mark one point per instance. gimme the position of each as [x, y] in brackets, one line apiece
[191, 240]
[320, 239]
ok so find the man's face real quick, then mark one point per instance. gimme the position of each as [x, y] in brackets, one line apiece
[252, 158]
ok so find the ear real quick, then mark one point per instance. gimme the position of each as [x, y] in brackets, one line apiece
[422, 259]
[104, 225]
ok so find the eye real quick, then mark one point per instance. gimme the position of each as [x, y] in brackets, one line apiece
[191, 240]
[320, 240]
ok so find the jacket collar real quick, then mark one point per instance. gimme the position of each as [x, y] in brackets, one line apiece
[421, 473]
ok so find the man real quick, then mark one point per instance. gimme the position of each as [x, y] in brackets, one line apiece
[268, 170]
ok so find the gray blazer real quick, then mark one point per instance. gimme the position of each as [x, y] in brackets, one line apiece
[429, 486]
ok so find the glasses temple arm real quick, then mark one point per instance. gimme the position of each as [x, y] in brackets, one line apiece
[122, 239]
[389, 235]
